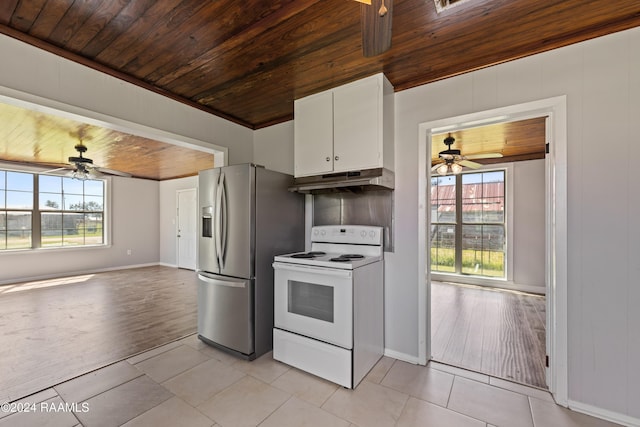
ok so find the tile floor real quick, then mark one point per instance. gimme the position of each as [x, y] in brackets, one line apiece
[188, 383]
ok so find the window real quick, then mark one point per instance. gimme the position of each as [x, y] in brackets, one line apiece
[50, 211]
[468, 224]
[71, 211]
[16, 209]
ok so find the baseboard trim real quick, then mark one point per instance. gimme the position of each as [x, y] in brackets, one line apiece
[497, 284]
[604, 414]
[165, 264]
[401, 356]
[75, 273]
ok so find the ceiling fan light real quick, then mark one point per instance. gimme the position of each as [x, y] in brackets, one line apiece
[80, 175]
[443, 169]
[456, 168]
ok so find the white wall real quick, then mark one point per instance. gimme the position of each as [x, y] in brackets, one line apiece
[529, 225]
[273, 147]
[601, 79]
[168, 216]
[133, 208]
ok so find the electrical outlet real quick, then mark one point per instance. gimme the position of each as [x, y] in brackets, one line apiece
[128, 251]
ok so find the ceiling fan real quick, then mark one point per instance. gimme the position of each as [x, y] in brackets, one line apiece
[452, 160]
[376, 18]
[81, 167]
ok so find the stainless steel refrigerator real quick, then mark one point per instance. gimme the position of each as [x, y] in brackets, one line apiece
[247, 216]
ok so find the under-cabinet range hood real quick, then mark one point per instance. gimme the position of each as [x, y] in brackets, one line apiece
[369, 179]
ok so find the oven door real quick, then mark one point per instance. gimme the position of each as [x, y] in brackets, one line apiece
[315, 302]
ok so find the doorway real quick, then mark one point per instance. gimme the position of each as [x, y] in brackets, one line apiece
[488, 229]
[186, 228]
[555, 220]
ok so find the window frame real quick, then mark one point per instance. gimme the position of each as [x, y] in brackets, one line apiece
[508, 225]
[36, 216]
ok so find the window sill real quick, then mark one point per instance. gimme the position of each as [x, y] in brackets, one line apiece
[53, 249]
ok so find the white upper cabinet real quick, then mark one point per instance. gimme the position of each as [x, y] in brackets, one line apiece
[313, 133]
[347, 128]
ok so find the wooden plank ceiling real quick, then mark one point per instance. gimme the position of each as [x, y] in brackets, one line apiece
[35, 138]
[248, 60]
[516, 141]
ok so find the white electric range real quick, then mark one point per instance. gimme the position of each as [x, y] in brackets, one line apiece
[328, 304]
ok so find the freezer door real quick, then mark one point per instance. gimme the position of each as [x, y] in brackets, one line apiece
[207, 253]
[225, 311]
[235, 220]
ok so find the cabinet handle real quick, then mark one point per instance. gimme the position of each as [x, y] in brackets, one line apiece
[337, 158]
[328, 159]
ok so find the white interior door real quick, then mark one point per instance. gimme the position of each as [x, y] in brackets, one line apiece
[187, 229]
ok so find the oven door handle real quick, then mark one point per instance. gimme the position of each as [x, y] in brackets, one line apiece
[310, 269]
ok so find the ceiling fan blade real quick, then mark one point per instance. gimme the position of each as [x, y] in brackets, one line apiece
[376, 29]
[112, 172]
[436, 166]
[483, 156]
[365, 1]
[469, 164]
[64, 168]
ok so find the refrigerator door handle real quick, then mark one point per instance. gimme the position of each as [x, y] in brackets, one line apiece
[224, 219]
[218, 282]
[218, 220]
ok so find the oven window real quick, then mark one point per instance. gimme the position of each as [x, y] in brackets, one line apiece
[311, 300]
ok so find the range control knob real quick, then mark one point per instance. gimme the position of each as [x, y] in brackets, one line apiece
[363, 233]
[372, 234]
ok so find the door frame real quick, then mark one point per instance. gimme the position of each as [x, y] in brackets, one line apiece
[555, 226]
[195, 237]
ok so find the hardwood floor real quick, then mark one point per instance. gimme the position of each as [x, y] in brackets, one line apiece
[499, 333]
[54, 330]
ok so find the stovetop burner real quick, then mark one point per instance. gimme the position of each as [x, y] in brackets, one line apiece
[346, 257]
[352, 256]
[308, 255]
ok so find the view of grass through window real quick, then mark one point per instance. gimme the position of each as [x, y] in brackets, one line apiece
[66, 211]
[468, 224]
[71, 211]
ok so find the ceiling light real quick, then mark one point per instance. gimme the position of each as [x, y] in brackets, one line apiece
[82, 173]
[456, 168]
[443, 169]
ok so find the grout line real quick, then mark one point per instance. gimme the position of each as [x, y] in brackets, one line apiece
[531, 410]
[279, 406]
[388, 370]
[179, 373]
[109, 389]
[450, 392]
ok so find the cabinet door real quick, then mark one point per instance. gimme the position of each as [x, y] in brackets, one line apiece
[313, 134]
[357, 113]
